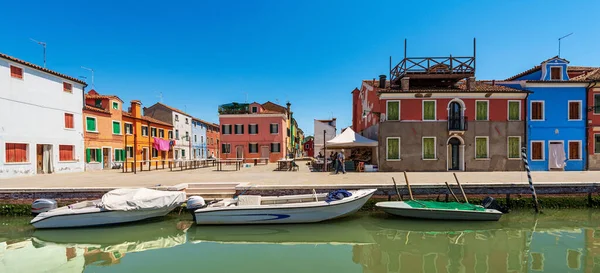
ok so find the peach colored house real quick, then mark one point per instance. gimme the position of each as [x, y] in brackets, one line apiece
[253, 132]
[103, 134]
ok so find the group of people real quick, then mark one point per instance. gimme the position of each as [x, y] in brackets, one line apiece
[339, 160]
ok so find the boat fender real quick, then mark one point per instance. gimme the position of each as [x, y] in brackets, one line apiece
[491, 203]
[43, 205]
[194, 203]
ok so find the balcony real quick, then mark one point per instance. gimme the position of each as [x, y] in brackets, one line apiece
[459, 124]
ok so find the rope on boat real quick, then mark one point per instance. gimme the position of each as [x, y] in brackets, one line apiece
[531, 187]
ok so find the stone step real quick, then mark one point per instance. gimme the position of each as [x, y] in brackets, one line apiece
[209, 190]
[212, 196]
[221, 185]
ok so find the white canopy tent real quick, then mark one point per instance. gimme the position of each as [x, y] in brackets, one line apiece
[350, 139]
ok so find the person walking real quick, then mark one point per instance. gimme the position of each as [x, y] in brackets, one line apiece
[340, 163]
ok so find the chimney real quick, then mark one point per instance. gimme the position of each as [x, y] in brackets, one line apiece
[470, 83]
[382, 81]
[288, 104]
[404, 84]
[136, 107]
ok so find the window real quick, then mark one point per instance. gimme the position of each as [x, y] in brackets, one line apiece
[514, 147]
[574, 110]
[116, 127]
[393, 110]
[254, 109]
[537, 150]
[428, 110]
[144, 130]
[274, 128]
[115, 105]
[537, 110]
[226, 129]
[239, 129]
[187, 136]
[514, 110]
[129, 151]
[152, 132]
[428, 149]
[253, 129]
[202, 139]
[226, 148]
[66, 152]
[176, 117]
[16, 72]
[596, 103]
[67, 87]
[393, 148]
[16, 152]
[253, 148]
[93, 155]
[556, 73]
[69, 122]
[195, 138]
[128, 128]
[98, 103]
[575, 150]
[170, 134]
[90, 124]
[275, 147]
[481, 147]
[176, 133]
[306, 147]
[154, 152]
[596, 143]
[482, 110]
[161, 133]
[187, 121]
[119, 155]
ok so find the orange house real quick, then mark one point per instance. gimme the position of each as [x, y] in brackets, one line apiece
[103, 137]
[140, 132]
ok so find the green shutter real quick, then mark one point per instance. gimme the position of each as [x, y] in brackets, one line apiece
[117, 155]
[123, 155]
[393, 110]
[429, 110]
[87, 155]
[91, 124]
[99, 155]
[513, 147]
[481, 148]
[513, 110]
[482, 109]
[393, 151]
[428, 148]
[596, 103]
[116, 128]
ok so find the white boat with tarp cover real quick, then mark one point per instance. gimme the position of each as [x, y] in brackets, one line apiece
[256, 209]
[440, 210]
[115, 207]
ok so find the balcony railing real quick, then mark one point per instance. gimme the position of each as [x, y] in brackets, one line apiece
[458, 124]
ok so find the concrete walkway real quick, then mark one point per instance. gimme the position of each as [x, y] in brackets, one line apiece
[266, 176]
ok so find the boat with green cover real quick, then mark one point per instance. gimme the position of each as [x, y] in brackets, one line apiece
[439, 210]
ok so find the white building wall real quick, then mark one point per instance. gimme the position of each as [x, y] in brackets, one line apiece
[330, 133]
[182, 143]
[32, 111]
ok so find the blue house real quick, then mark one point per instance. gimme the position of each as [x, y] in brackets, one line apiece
[556, 116]
[199, 149]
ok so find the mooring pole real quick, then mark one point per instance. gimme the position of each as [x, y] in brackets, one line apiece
[531, 187]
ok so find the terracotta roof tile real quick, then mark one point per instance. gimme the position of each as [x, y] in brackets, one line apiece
[174, 109]
[274, 107]
[95, 109]
[593, 75]
[35, 66]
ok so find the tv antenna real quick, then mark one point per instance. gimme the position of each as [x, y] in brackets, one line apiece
[559, 39]
[92, 70]
[43, 45]
[160, 97]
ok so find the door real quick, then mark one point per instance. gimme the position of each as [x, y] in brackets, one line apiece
[239, 151]
[455, 116]
[145, 155]
[556, 155]
[264, 151]
[454, 144]
[39, 158]
[106, 158]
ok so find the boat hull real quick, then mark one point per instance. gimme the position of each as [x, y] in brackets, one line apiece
[282, 214]
[99, 218]
[400, 208]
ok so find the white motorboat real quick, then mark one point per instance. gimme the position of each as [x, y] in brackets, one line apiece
[440, 210]
[256, 209]
[115, 207]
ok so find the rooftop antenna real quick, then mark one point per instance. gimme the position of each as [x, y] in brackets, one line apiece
[160, 97]
[559, 39]
[83, 67]
[43, 45]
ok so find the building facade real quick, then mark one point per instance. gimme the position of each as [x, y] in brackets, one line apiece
[253, 132]
[103, 131]
[145, 139]
[40, 118]
[199, 148]
[593, 112]
[213, 140]
[309, 148]
[365, 109]
[325, 130]
[182, 127]
[556, 119]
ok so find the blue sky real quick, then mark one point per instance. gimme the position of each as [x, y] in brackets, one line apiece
[200, 54]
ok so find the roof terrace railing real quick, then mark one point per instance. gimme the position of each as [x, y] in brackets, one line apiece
[433, 65]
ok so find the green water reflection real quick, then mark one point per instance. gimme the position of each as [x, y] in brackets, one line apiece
[566, 241]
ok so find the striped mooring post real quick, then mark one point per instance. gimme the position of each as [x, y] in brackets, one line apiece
[531, 187]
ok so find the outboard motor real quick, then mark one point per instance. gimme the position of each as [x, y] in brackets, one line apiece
[194, 203]
[491, 203]
[43, 205]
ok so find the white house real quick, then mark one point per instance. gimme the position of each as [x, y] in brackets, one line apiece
[41, 128]
[325, 129]
[182, 127]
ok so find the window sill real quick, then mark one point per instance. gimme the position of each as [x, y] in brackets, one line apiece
[117, 134]
[95, 132]
[429, 159]
[482, 159]
[68, 161]
[514, 120]
[537, 120]
[574, 120]
[514, 158]
[17, 163]
[538, 160]
[574, 160]
[70, 129]
[94, 162]
[393, 159]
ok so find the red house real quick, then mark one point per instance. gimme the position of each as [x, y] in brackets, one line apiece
[309, 146]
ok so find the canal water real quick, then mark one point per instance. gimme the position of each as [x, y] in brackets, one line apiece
[557, 241]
